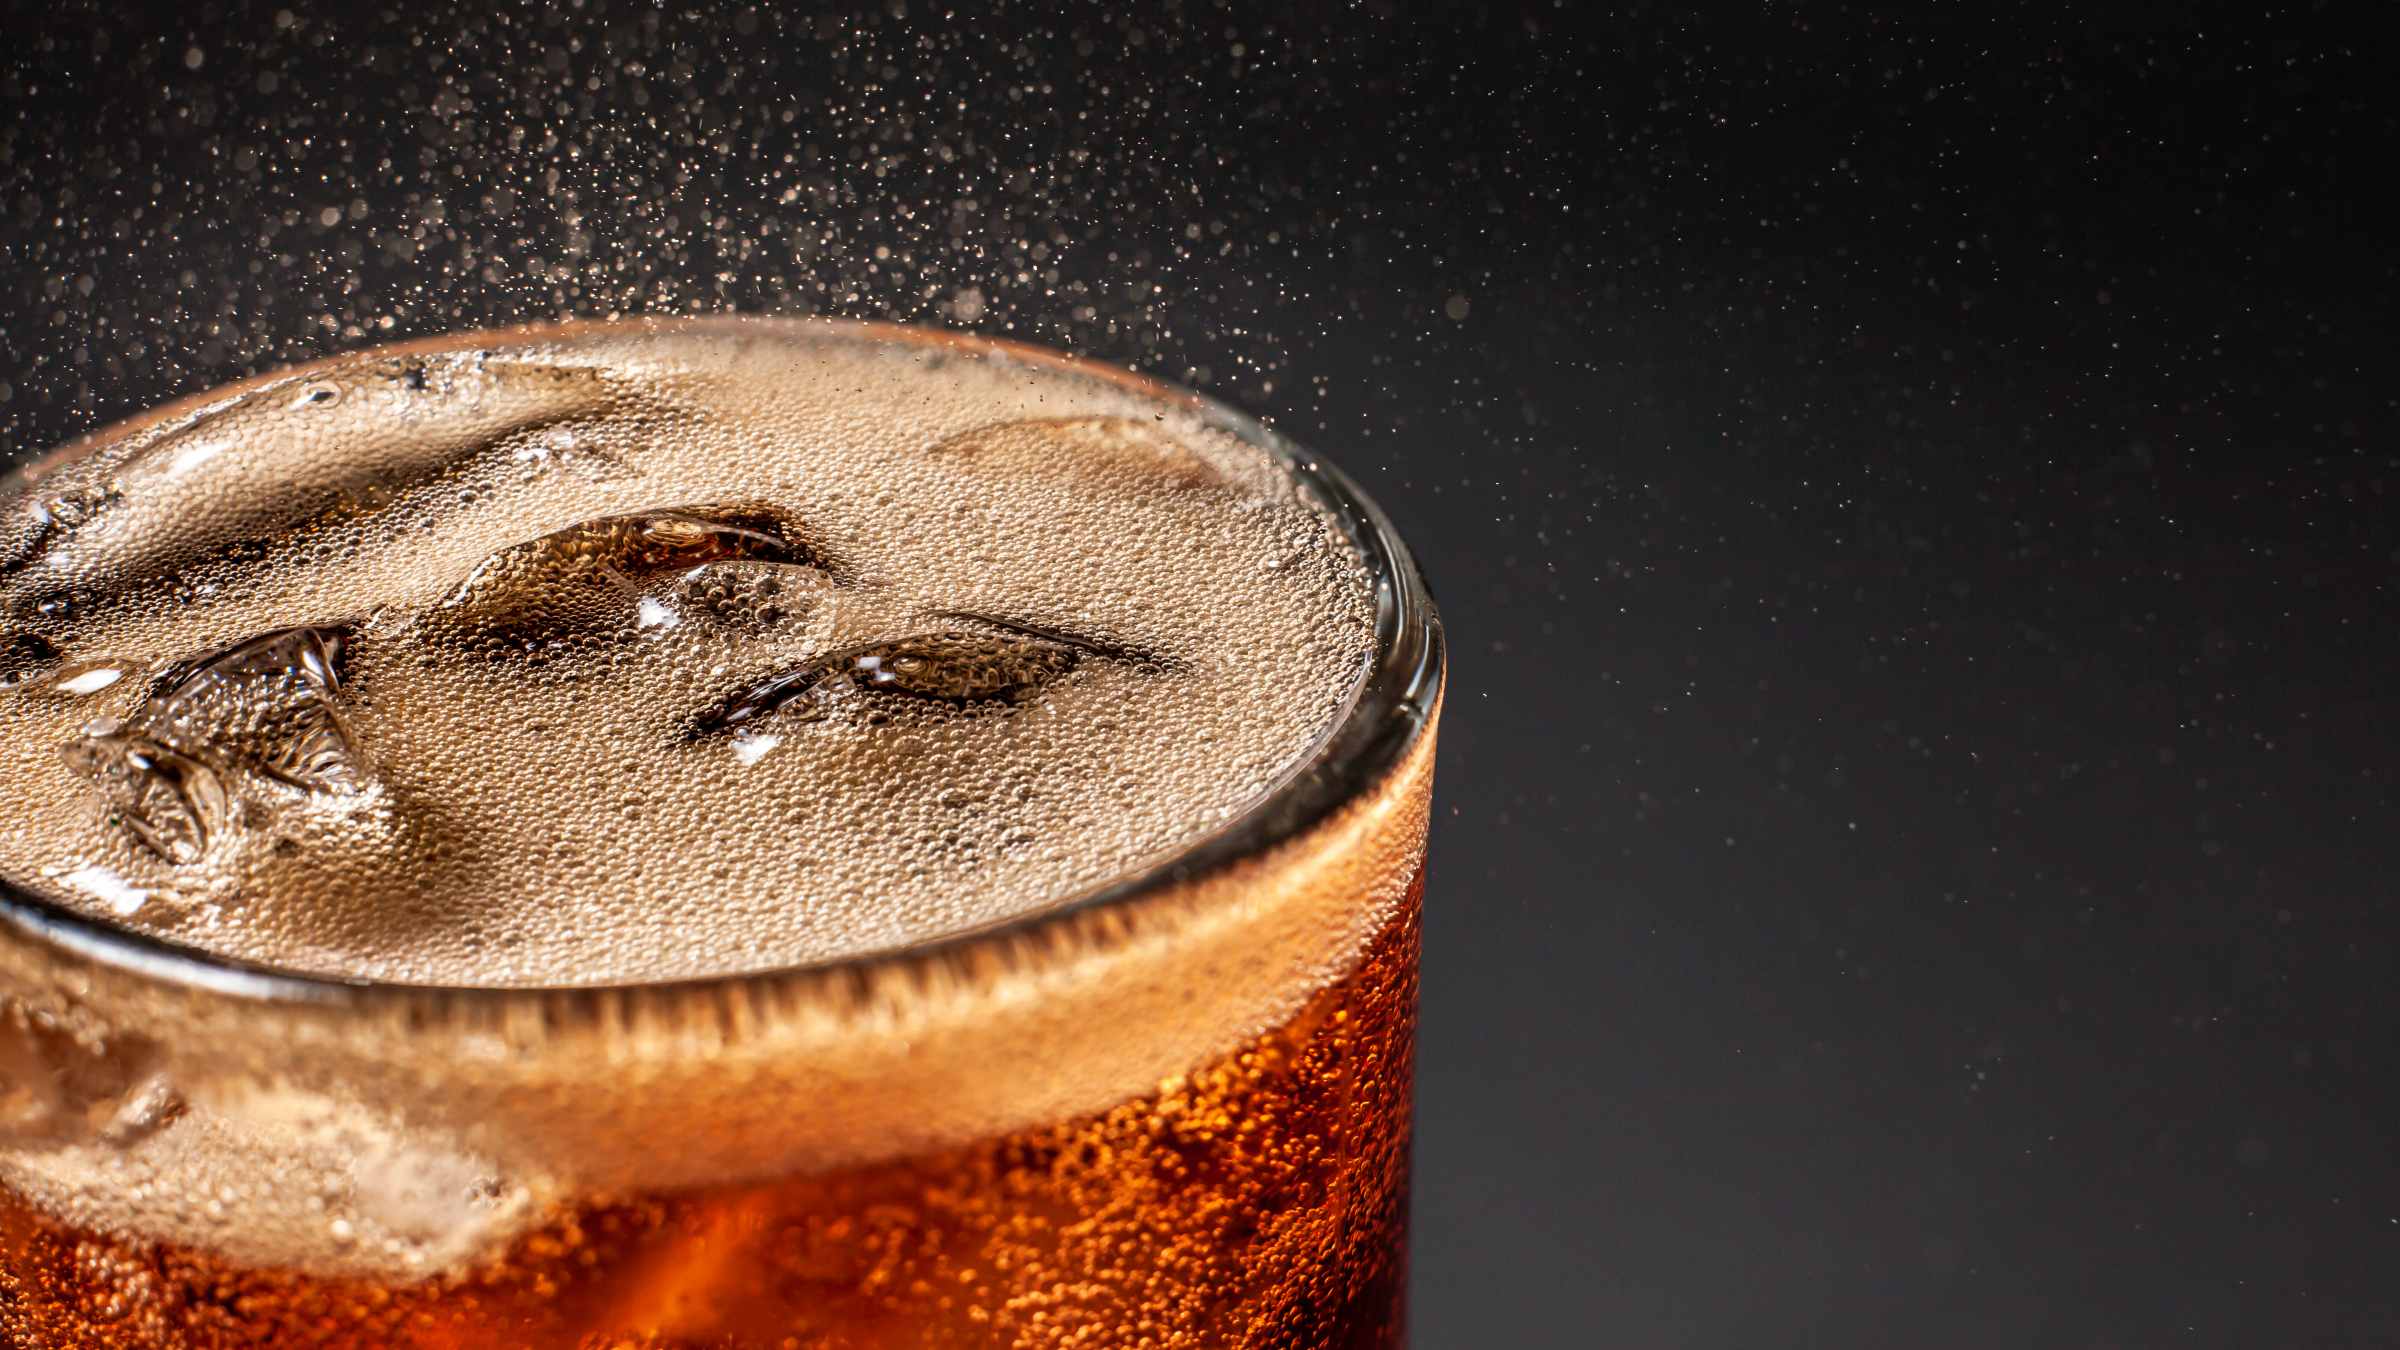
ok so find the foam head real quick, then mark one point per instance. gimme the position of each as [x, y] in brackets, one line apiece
[630, 653]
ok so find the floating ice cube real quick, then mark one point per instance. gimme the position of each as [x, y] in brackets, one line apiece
[267, 708]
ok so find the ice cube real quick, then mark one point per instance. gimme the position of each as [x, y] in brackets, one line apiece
[589, 574]
[267, 710]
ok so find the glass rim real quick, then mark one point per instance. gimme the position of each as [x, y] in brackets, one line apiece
[1384, 717]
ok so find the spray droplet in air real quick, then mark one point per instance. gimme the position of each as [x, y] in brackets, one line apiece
[960, 666]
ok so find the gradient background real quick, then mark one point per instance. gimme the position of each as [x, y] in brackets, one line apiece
[1913, 496]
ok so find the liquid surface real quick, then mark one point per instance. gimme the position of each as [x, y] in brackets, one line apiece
[635, 654]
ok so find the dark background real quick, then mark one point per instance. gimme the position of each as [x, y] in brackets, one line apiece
[1912, 493]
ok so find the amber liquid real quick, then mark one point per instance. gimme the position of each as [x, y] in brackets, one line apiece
[1261, 1201]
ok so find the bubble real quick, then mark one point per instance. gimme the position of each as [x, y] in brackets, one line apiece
[61, 605]
[422, 1195]
[749, 596]
[1090, 451]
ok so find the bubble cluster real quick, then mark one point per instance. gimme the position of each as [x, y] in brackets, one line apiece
[627, 652]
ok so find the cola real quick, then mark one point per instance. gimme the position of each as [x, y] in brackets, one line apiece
[705, 832]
